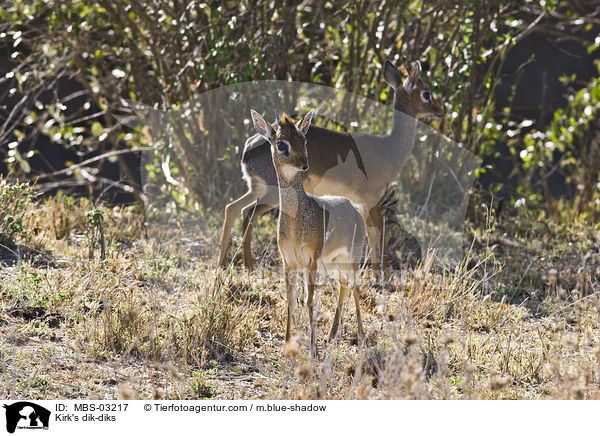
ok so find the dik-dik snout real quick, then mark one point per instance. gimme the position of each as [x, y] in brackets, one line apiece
[292, 156]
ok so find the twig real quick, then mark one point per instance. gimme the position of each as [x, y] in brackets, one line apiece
[522, 277]
[95, 159]
[517, 38]
[455, 177]
[17, 253]
[427, 199]
[570, 304]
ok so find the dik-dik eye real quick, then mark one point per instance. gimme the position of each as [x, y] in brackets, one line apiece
[426, 96]
[283, 146]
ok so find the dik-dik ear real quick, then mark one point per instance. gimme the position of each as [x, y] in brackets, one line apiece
[263, 128]
[391, 75]
[413, 77]
[304, 123]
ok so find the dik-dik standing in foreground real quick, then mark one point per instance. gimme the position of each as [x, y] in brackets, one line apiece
[357, 166]
[310, 229]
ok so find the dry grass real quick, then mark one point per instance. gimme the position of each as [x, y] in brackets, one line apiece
[519, 318]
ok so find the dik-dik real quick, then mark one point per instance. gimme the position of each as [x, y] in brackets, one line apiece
[375, 161]
[311, 231]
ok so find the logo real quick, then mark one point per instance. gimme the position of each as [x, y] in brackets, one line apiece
[26, 415]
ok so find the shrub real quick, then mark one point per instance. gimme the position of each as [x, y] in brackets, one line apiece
[15, 199]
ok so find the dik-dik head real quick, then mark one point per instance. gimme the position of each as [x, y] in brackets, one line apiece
[288, 142]
[410, 93]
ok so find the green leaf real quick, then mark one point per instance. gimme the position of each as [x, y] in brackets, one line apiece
[97, 129]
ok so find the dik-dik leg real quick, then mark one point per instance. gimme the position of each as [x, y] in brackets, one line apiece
[250, 214]
[309, 278]
[290, 303]
[338, 311]
[337, 319]
[356, 292]
[232, 211]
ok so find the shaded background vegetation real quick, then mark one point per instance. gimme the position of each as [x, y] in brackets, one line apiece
[519, 81]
